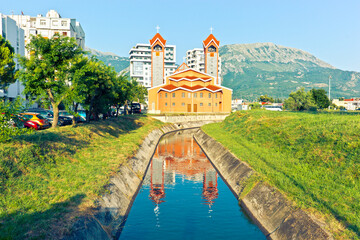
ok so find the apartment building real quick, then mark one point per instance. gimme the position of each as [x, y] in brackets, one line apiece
[15, 35]
[49, 25]
[140, 62]
[195, 59]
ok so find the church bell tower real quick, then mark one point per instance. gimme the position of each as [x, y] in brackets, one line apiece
[211, 53]
[157, 44]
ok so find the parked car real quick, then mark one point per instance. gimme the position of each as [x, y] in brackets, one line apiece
[82, 114]
[135, 108]
[49, 115]
[64, 113]
[26, 123]
[41, 122]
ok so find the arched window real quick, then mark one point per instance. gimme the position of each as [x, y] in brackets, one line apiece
[157, 48]
[212, 49]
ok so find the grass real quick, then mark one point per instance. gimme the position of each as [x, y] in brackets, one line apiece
[51, 177]
[313, 158]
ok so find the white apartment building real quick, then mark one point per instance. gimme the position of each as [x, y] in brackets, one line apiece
[195, 59]
[140, 62]
[49, 25]
[15, 35]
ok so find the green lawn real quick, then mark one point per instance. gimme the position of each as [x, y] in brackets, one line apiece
[50, 177]
[314, 158]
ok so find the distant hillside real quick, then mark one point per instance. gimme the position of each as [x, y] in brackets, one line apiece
[265, 68]
[111, 59]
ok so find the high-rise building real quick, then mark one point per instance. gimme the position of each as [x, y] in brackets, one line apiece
[195, 59]
[144, 56]
[49, 25]
[15, 35]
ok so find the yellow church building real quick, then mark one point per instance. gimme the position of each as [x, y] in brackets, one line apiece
[187, 90]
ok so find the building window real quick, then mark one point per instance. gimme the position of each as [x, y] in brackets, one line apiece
[63, 23]
[189, 95]
[201, 95]
[209, 104]
[183, 95]
[195, 95]
[209, 95]
[201, 104]
[138, 68]
[173, 95]
[173, 104]
[42, 22]
[166, 104]
[183, 104]
[215, 95]
[160, 95]
[215, 104]
[55, 23]
[165, 95]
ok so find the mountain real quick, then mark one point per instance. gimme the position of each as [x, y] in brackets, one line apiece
[265, 68]
[111, 59]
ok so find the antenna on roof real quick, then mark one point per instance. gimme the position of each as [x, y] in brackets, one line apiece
[211, 29]
[157, 28]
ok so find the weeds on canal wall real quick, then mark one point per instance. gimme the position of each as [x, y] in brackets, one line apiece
[50, 177]
[311, 157]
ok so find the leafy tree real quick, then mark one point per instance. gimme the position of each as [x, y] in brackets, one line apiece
[300, 100]
[46, 74]
[121, 92]
[265, 98]
[341, 99]
[321, 100]
[255, 105]
[7, 63]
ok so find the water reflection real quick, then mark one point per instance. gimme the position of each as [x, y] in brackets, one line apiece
[179, 154]
[182, 197]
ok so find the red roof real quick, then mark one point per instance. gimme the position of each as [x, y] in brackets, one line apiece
[209, 39]
[182, 67]
[191, 78]
[171, 87]
[157, 36]
[349, 99]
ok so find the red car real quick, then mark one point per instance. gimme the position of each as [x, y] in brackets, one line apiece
[34, 121]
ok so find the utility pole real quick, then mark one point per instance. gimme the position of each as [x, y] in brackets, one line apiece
[329, 90]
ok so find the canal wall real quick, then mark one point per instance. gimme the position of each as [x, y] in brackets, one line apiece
[107, 218]
[203, 118]
[277, 217]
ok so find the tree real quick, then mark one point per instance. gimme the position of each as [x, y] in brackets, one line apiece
[46, 74]
[265, 98]
[7, 64]
[321, 100]
[255, 106]
[300, 100]
[121, 92]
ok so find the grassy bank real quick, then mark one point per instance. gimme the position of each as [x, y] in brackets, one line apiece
[50, 177]
[313, 158]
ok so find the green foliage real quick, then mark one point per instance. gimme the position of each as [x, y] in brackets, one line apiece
[300, 100]
[7, 112]
[255, 105]
[312, 157]
[321, 100]
[265, 98]
[7, 64]
[46, 74]
[47, 176]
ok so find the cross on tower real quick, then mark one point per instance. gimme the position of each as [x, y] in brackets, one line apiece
[211, 29]
[157, 28]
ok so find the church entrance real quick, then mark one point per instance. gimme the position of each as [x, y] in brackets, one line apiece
[189, 108]
[195, 107]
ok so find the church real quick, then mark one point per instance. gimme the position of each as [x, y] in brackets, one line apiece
[187, 90]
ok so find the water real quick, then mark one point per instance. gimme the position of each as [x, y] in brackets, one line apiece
[183, 197]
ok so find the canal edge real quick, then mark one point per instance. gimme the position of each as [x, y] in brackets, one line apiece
[107, 218]
[273, 213]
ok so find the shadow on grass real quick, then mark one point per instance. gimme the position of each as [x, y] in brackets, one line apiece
[48, 224]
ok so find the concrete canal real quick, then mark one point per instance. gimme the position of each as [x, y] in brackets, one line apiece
[183, 197]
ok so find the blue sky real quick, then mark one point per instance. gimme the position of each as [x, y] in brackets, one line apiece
[328, 29]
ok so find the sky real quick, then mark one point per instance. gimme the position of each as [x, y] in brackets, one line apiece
[328, 29]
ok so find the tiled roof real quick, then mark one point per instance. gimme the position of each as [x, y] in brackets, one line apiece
[191, 78]
[157, 36]
[208, 40]
[182, 67]
[210, 88]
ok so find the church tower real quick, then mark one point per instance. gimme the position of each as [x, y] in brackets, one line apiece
[157, 44]
[211, 53]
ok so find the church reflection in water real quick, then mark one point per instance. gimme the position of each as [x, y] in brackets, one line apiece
[182, 156]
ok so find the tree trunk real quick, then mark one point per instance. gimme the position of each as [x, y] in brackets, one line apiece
[117, 111]
[55, 107]
[87, 116]
[75, 110]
